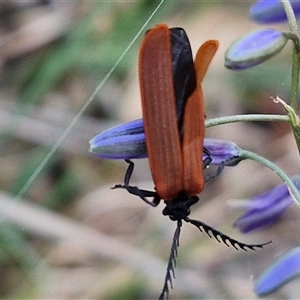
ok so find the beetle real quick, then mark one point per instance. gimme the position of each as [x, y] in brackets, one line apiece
[174, 115]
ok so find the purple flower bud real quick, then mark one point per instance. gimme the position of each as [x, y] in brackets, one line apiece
[222, 151]
[271, 11]
[128, 141]
[283, 270]
[254, 48]
[265, 209]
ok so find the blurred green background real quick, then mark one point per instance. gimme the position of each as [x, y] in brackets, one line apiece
[68, 236]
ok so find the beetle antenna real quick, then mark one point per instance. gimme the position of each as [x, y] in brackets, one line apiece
[221, 237]
[171, 263]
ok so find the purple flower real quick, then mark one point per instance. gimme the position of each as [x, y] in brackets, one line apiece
[271, 11]
[254, 48]
[265, 209]
[222, 151]
[128, 141]
[283, 270]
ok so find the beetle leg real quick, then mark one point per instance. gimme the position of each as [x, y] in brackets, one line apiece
[134, 190]
[217, 173]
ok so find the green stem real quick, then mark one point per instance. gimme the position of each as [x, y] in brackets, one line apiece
[290, 16]
[246, 118]
[295, 64]
[295, 77]
[255, 157]
[295, 69]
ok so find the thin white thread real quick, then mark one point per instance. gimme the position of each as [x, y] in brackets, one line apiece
[78, 115]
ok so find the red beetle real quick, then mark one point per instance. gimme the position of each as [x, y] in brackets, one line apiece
[173, 114]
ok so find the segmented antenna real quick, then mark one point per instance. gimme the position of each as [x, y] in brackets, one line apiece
[171, 263]
[227, 240]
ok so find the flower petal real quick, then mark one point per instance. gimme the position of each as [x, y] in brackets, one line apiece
[267, 208]
[258, 218]
[279, 273]
[128, 141]
[254, 48]
[271, 11]
[222, 152]
[121, 142]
